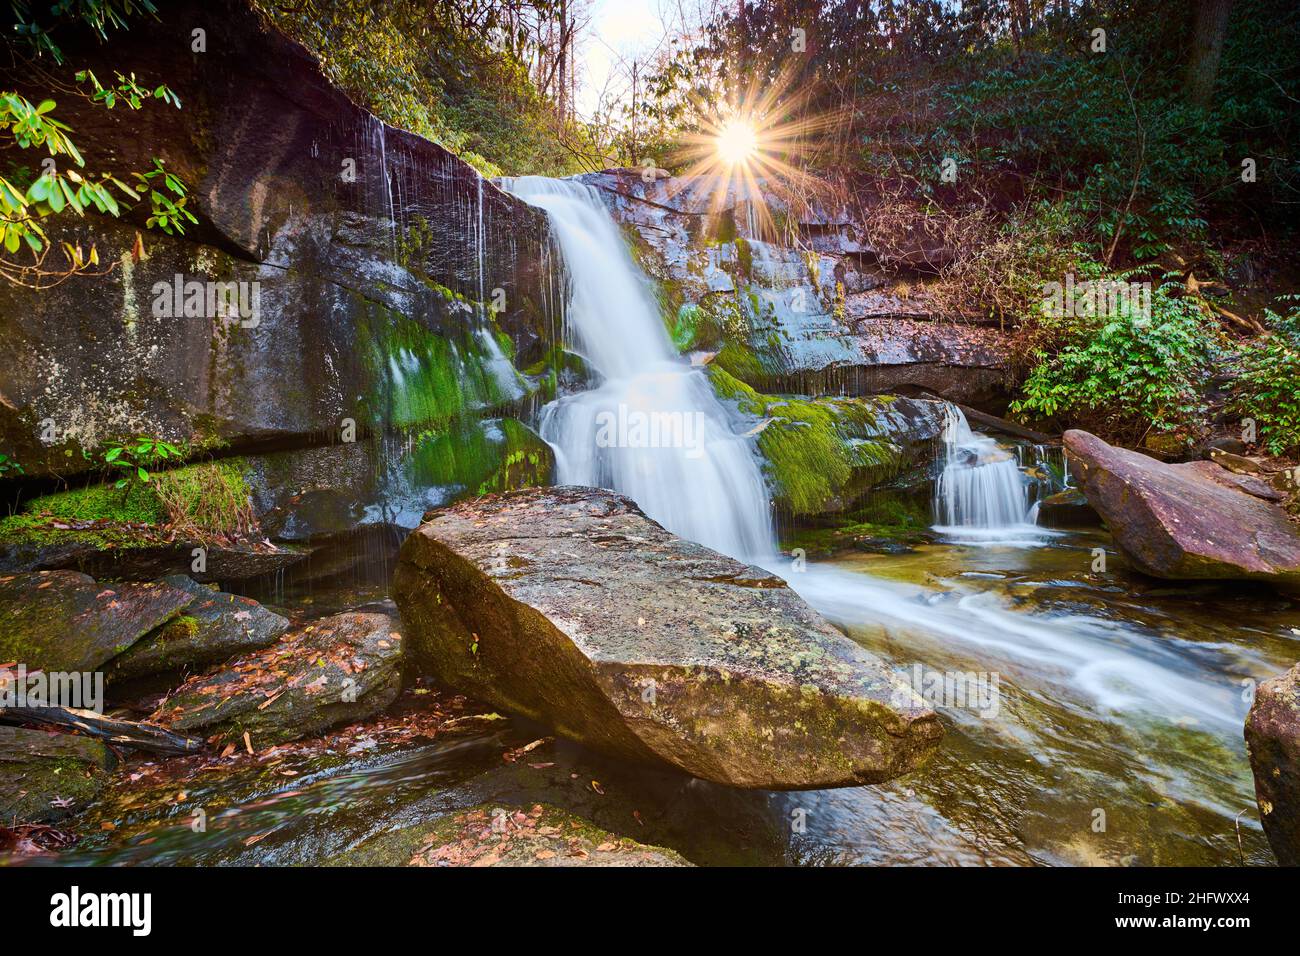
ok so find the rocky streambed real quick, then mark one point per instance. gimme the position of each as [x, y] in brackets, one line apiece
[1115, 693]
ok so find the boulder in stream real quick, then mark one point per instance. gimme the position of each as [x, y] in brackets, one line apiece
[568, 605]
[1187, 521]
[1273, 739]
[338, 669]
[214, 627]
[64, 621]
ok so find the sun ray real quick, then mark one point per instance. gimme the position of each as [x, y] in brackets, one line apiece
[757, 144]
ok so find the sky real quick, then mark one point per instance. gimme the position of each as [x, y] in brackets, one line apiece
[630, 28]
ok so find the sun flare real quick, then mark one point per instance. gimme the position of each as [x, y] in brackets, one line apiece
[755, 145]
[737, 142]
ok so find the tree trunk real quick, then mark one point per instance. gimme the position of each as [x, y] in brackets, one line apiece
[1207, 45]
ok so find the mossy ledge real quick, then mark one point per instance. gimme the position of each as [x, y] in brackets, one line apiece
[817, 451]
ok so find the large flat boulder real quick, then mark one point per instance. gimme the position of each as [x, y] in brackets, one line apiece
[1188, 521]
[1273, 738]
[64, 621]
[338, 669]
[568, 605]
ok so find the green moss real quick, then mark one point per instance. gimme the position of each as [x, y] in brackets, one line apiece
[496, 455]
[816, 450]
[211, 496]
[135, 504]
[208, 497]
[744, 257]
[695, 328]
[420, 377]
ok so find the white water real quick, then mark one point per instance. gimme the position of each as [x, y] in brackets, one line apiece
[702, 481]
[981, 496]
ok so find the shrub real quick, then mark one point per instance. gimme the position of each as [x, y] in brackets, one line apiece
[1268, 388]
[1121, 374]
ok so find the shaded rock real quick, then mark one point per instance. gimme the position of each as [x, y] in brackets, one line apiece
[214, 627]
[1067, 509]
[541, 835]
[87, 554]
[64, 621]
[363, 282]
[569, 606]
[1175, 521]
[337, 669]
[1273, 738]
[49, 776]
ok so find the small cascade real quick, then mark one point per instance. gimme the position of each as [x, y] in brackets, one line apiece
[981, 494]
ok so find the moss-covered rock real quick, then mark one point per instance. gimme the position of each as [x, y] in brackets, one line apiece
[569, 606]
[824, 454]
[540, 835]
[49, 776]
[64, 621]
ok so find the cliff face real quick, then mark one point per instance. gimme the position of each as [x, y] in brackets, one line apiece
[361, 256]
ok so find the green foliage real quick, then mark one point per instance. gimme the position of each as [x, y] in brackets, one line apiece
[166, 213]
[1121, 373]
[33, 23]
[424, 68]
[1268, 387]
[58, 187]
[812, 447]
[9, 467]
[136, 456]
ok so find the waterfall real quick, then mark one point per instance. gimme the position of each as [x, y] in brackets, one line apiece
[981, 494]
[652, 427]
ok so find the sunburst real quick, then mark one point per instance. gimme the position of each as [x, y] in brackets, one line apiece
[755, 143]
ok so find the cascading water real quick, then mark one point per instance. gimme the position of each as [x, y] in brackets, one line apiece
[652, 427]
[981, 494]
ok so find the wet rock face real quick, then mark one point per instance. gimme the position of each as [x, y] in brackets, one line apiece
[64, 621]
[334, 670]
[1188, 521]
[829, 319]
[569, 606]
[212, 628]
[371, 250]
[1273, 738]
[48, 776]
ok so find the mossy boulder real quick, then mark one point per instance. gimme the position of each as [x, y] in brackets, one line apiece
[824, 454]
[1273, 739]
[1067, 509]
[569, 606]
[64, 621]
[335, 670]
[148, 529]
[214, 627]
[49, 776]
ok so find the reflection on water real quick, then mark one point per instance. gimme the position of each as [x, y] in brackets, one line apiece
[1117, 740]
